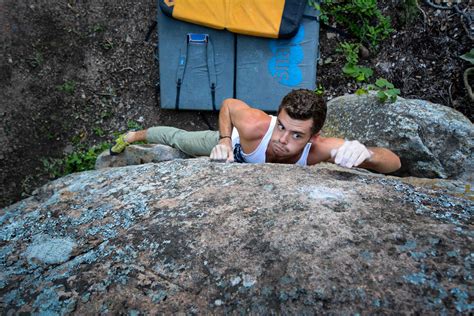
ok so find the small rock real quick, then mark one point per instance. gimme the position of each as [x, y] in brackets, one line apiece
[139, 154]
[384, 66]
[364, 53]
[68, 149]
[328, 60]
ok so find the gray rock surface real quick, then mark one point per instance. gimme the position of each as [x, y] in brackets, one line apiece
[197, 237]
[139, 154]
[432, 140]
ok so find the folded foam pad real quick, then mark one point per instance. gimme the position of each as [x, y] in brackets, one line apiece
[264, 18]
[196, 65]
[268, 69]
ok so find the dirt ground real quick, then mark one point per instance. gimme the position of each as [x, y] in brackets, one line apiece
[73, 72]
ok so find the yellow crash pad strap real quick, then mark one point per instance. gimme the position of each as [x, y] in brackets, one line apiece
[251, 17]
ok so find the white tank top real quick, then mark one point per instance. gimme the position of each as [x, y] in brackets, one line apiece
[258, 155]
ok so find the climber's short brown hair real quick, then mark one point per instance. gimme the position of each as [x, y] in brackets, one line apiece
[304, 104]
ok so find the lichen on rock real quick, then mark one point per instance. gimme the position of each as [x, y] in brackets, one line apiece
[192, 236]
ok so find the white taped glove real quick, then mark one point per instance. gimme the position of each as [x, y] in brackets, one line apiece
[351, 154]
[222, 153]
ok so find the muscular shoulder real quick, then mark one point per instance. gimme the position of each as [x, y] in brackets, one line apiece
[255, 126]
[251, 123]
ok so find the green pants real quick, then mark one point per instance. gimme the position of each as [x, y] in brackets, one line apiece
[191, 143]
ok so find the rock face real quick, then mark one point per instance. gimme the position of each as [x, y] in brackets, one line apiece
[139, 154]
[197, 237]
[432, 140]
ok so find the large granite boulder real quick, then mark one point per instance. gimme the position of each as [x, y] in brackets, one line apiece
[191, 236]
[432, 140]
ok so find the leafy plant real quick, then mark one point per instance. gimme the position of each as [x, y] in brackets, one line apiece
[319, 90]
[78, 138]
[350, 51]
[385, 90]
[359, 73]
[37, 60]
[351, 69]
[105, 115]
[375, 34]
[323, 17]
[80, 160]
[361, 91]
[98, 28]
[67, 87]
[28, 185]
[107, 44]
[116, 134]
[361, 18]
[410, 11]
[469, 56]
[49, 135]
[99, 131]
[53, 167]
[134, 125]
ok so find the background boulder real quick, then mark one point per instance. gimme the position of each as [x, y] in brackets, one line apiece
[192, 236]
[139, 154]
[432, 140]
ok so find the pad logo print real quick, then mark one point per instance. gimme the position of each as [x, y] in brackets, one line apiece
[287, 55]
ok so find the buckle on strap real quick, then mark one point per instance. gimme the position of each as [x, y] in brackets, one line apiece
[197, 38]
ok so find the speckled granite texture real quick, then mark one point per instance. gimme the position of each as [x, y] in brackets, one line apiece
[197, 237]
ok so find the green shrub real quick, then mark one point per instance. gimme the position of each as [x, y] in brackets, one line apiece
[359, 73]
[80, 160]
[409, 11]
[134, 125]
[385, 90]
[36, 61]
[98, 28]
[351, 69]
[319, 90]
[469, 56]
[350, 51]
[323, 15]
[99, 131]
[52, 167]
[67, 87]
[361, 18]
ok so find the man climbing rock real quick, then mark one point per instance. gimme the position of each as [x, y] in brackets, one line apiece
[252, 136]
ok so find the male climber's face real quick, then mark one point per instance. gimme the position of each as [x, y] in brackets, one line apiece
[290, 136]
